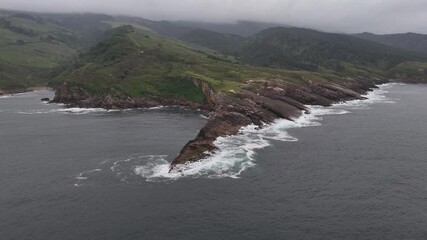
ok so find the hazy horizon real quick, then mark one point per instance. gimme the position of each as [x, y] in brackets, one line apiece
[346, 16]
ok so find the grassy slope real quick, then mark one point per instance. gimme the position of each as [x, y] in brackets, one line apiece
[167, 66]
[410, 70]
[410, 41]
[25, 59]
[33, 45]
[300, 48]
[225, 43]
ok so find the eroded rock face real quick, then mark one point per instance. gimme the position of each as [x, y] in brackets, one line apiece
[257, 102]
[414, 80]
[262, 102]
[77, 96]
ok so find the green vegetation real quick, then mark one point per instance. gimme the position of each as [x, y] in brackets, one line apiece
[410, 70]
[132, 57]
[225, 43]
[33, 46]
[26, 60]
[305, 49]
[410, 41]
[135, 62]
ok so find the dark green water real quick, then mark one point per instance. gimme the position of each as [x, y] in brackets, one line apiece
[91, 174]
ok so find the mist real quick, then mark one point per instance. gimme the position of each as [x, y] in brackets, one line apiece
[347, 16]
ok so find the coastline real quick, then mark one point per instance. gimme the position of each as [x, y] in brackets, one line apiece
[272, 100]
[259, 102]
[237, 153]
[24, 90]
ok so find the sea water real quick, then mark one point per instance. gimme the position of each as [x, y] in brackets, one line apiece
[356, 170]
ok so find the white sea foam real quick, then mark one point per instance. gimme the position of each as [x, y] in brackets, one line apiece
[204, 116]
[375, 96]
[237, 153]
[157, 108]
[68, 111]
[24, 94]
[83, 176]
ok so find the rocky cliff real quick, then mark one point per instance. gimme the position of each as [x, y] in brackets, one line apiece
[262, 101]
[257, 102]
[78, 96]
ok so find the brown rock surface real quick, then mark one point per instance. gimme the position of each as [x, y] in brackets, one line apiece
[269, 101]
[257, 102]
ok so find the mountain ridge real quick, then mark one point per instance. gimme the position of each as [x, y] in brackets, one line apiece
[415, 42]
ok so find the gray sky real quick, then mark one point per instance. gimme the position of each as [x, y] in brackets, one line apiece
[379, 16]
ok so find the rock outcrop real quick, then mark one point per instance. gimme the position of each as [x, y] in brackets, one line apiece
[257, 102]
[262, 101]
[78, 96]
[404, 78]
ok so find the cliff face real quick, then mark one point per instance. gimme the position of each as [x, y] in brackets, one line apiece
[78, 96]
[263, 101]
[256, 102]
[410, 79]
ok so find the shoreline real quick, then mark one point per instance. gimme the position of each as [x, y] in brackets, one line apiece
[273, 101]
[258, 102]
[208, 144]
[229, 112]
[26, 90]
[238, 153]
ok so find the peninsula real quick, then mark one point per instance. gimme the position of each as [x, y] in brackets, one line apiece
[123, 62]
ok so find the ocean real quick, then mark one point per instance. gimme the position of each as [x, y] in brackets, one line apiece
[356, 170]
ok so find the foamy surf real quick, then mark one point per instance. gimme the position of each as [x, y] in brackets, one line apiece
[83, 176]
[121, 169]
[237, 153]
[32, 93]
[378, 95]
[76, 111]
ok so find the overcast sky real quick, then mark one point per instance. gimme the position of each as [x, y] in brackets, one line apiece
[379, 16]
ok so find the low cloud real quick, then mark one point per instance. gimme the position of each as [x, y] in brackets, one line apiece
[348, 16]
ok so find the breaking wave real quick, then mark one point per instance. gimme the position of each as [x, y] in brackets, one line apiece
[68, 111]
[32, 93]
[235, 153]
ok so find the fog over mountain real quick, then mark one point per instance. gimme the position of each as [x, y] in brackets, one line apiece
[348, 16]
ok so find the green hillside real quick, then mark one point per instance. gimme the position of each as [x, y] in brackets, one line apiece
[143, 59]
[410, 41]
[304, 48]
[222, 42]
[139, 63]
[32, 45]
[29, 49]
[307, 49]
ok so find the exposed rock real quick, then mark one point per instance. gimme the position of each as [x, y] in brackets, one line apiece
[270, 100]
[78, 96]
[415, 79]
[45, 99]
[258, 102]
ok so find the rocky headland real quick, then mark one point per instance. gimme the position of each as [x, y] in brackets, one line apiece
[257, 102]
